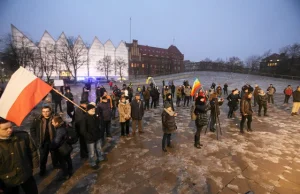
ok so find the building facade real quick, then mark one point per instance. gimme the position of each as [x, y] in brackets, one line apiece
[52, 53]
[147, 61]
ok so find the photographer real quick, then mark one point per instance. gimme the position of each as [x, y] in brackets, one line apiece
[200, 111]
[215, 111]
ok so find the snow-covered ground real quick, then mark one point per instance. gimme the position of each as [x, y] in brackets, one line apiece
[265, 161]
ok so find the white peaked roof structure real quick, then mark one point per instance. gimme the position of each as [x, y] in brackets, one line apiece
[88, 58]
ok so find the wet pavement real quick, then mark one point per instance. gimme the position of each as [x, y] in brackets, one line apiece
[264, 161]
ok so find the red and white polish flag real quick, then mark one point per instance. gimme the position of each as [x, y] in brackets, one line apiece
[22, 93]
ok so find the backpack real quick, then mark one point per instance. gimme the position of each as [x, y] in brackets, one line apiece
[72, 136]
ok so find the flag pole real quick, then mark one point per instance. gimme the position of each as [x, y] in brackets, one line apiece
[68, 99]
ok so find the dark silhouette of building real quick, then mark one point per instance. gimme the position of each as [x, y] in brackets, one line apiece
[151, 61]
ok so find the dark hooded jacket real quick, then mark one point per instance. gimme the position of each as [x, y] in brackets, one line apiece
[18, 158]
[201, 109]
[137, 110]
[90, 128]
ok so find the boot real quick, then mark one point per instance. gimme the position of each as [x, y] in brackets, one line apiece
[241, 129]
[197, 142]
[259, 114]
[265, 114]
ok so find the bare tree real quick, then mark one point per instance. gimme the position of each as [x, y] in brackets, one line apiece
[120, 64]
[105, 65]
[73, 55]
[47, 58]
[17, 51]
[36, 64]
[253, 62]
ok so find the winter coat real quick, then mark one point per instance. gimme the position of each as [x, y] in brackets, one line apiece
[219, 90]
[38, 129]
[233, 100]
[271, 90]
[60, 137]
[296, 96]
[98, 92]
[124, 111]
[168, 122]
[85, 94]
[79, 115]
[187, 91]
[70, 106]
[55, 96]
[288, 91]
[154, 94]
[201, 112]
[137, 110]
[214, 106]
[104, 111]
[18, 158]
[245, 107]
[256, 91]
[170, 101]
[173, 88]
[262, 99]
[146, 95]
[90, 128]
[178, 94]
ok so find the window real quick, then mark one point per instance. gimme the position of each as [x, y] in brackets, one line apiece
[143, 65]
[131, 64]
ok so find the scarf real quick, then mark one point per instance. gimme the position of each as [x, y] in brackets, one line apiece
[171, 113]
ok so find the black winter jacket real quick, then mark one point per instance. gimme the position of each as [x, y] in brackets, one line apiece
[296, 96]
[90, 128]
[55, 96]
[104, 111]
[18, 157]
[38, 128]
[60, 137]
[137, 110]
[233, 100]
[201, 112]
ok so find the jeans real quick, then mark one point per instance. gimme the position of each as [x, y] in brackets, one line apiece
[82, 143]
[199, 129]
[166, 137]
[225, 92]
[140, 125]
[106, 128]
[147, 104]
[44, 152]
[65, 163]
[28, 187]
[270, 98]
[57, 104]
[286, 98]
[249, 120]
[255, 100]
[186, 99]
[123, 126]
[178, 101]
[69, 112]
[95, 152]
[153, 102]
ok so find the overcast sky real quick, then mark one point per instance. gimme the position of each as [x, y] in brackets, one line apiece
[201, 28]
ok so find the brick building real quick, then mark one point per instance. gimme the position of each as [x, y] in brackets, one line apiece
[150, 61]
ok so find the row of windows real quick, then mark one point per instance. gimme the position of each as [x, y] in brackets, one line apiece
[272, 64]
[152, 66]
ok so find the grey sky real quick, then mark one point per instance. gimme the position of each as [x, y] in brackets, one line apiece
[211, 28]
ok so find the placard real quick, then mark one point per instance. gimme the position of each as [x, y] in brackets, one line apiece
[59, 82]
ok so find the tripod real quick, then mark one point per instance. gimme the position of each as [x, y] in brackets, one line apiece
[217, 120]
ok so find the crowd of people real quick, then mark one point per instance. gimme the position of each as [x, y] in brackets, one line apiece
[50, 134]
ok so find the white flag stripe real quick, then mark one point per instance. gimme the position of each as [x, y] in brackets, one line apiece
[19, 80]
